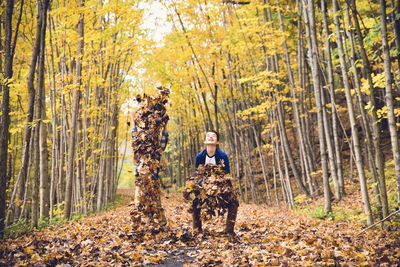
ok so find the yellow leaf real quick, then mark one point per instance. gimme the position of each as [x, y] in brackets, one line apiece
[29, 250]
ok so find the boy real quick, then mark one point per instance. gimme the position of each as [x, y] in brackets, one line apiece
[213, 155]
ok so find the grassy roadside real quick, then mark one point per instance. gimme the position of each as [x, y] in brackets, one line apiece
[23, 226]
[350, 208]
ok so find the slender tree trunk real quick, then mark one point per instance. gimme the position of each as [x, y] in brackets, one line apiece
[308, 152]
[44, 173]
[24, 206]
[354, 131]
[275, 181]
[294, 103]
[22, 174]
[5, 111]
[367, 132]
[376, 124]
[40, 174]
[336, 171]
[36, 172]
[264, 172]
[286, 181]
[74, 120]
[394, 15]
[389, 97]
[285, 143]
[312, 43]
[55, 148]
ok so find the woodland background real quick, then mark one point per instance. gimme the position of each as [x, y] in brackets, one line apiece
[305, 95]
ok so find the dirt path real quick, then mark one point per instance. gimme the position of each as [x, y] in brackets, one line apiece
[264, 237]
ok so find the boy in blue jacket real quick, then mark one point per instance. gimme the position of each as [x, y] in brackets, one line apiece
[213, 155]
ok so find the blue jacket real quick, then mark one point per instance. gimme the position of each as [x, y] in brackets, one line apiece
[219, 155]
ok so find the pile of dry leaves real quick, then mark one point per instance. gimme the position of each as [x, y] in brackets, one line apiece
[211, 190]
[150, 119]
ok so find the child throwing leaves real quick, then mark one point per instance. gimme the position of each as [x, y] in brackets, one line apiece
[211, 186]
[147, 123]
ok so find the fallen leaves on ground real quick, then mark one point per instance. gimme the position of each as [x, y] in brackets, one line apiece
[265, 237]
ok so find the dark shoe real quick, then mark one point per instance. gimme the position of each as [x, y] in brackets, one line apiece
[229, 228]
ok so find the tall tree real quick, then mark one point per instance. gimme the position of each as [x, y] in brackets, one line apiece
[44, 172]
[9, 48]
[74, 117]
[350, 108]
[376, 123]
[309, 15]
[389, 96]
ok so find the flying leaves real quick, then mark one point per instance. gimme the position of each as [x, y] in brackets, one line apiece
[150, 119]
[211, 190]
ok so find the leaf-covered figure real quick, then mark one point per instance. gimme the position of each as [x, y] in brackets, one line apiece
[150, 119]
[210, 189]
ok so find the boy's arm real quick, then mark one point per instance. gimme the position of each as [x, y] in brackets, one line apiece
[164, 139]
[197, 163]
[226, 162]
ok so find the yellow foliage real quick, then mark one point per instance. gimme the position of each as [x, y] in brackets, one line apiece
[379, 80]
[382, 113]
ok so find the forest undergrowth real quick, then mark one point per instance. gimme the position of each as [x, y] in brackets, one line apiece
[264, 237]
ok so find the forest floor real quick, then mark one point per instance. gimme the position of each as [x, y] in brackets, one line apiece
[264, 237]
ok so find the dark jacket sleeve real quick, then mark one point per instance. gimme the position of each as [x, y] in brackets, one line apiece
[197, 163]
[164, 140]
[226, 162]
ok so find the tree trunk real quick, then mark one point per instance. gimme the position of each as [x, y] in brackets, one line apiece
[288, 151]
[44, 173]
[36, 172]
[367, 132]
[312, 44]
[354, 131]
[264, 172]
[376, 124]
[74, 120]
[300, 134]
[285, 181]
[389, 97]
[396, 30]
[55, 146]
[22, 174]
[336, 170]
[5, 111]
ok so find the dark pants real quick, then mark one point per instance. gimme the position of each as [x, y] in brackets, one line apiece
[230, 219]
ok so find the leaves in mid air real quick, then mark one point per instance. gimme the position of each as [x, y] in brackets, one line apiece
[210, 189]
